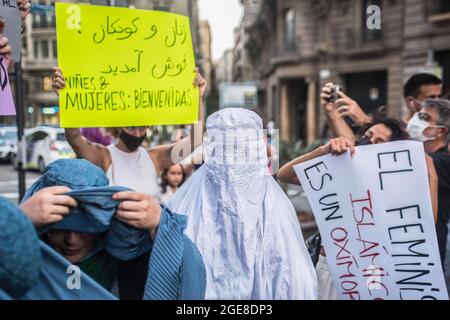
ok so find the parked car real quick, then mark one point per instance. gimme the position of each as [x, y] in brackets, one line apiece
[8, 143]
[43, 146]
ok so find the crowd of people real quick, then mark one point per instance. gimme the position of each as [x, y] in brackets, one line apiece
[138, 224]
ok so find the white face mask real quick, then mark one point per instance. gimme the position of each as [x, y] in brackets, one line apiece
[417, 126]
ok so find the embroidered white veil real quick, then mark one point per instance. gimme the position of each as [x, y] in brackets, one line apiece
[241, 220]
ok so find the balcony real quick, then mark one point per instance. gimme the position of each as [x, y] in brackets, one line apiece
[43, 32]
[439, 11]
[283, 56]
[33, 64]
[46, 98]
[364, 44]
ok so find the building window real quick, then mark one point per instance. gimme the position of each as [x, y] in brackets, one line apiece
[289, 29]
[121, 3]
[100, 2]
[47, 82]
[55, 49]
[36, 20]
[44, 49]
[111, 3]
[161, 7]
[440, 6]
[369, 35]
[52, 21]
[44, 21]
[40, 21]
[36, 49]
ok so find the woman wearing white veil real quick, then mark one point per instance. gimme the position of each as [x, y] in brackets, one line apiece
[240, 219]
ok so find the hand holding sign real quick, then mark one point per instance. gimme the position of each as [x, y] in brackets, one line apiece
[200, 82]
[10, 15]
[6, 100]
[58, 82]
[24, 8]
[5, 48]
[338, 146]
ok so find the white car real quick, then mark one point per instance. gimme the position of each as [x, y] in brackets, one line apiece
[8, 142]
[43, 146]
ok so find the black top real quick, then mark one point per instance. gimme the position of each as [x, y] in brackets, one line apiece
[132, 277]
[441, 160]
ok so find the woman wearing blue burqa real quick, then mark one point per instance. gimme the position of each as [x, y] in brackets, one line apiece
[78, 254]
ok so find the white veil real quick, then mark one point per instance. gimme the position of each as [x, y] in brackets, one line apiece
[240, 219]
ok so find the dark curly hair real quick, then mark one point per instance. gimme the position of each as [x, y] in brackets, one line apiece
[397, 127]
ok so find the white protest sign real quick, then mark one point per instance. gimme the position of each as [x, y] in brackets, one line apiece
[375, 217]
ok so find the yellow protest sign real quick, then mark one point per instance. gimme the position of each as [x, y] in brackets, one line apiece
[125, 67]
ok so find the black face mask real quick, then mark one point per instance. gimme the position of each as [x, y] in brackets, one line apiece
[131, 142]
[363, 141]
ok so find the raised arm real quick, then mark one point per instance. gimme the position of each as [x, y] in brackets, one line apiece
[335, 146]
[162, 155]
[336, 111]
[347, 107]
[85, 149]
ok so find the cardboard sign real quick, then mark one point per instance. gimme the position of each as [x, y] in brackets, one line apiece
[125, 67]
[375, 217]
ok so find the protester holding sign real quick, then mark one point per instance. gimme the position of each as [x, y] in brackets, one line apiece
[127, 151]
[431, 126]
[375, 216]
[417, 88]
[381, 129]
[127, 69]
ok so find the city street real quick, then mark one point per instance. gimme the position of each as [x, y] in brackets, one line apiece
[9, 185]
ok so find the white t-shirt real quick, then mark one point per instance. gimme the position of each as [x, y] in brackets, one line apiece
[134, 170]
